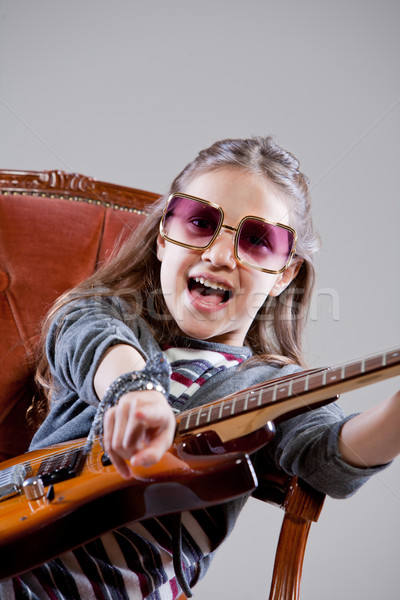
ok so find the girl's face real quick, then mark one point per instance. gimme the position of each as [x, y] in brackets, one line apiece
[208, 293]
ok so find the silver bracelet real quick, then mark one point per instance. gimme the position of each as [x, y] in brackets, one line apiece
[147, 379]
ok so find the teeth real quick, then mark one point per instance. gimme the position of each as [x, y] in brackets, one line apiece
[211, 284]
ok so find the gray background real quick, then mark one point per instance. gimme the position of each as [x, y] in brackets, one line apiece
[129, 91]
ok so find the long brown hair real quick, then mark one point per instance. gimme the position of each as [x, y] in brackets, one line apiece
[133, 273]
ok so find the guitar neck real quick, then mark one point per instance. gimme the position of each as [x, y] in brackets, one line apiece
[243, 412]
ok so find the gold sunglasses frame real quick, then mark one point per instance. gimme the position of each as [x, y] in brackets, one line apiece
[235, 229]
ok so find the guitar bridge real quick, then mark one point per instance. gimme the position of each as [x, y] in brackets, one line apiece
[11, 480]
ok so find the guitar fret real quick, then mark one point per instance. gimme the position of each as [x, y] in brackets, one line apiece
[274, 393]
[198, 417]
[202, 417]
[187, 421]
[221, 408]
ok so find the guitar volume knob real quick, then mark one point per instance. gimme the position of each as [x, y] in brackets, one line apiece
[33, 488]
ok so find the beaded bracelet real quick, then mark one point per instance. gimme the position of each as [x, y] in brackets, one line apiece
[147, 379]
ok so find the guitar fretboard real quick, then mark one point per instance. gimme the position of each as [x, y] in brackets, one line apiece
[295, 386]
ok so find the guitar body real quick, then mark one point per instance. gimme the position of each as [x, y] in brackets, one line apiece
[98, 499]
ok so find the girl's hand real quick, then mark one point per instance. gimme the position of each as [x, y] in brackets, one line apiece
[139, 429]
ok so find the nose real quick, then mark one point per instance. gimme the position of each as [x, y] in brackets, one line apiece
[221, 252]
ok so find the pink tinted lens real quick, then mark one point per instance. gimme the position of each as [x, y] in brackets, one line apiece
[264, 245]
[190, 221]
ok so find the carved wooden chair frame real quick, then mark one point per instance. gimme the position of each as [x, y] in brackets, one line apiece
[301, 504]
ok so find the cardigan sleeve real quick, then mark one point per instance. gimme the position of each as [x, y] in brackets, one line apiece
[80, 335]
[308, 446]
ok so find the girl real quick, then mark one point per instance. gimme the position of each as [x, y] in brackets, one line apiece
[218, 277]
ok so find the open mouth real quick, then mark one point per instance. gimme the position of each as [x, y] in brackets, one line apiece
[210, 291]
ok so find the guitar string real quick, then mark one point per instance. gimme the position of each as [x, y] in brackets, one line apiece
[261, 387]
[33, 462]
[37, 461]
[267, 386]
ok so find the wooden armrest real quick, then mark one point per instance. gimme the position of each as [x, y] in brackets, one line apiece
[302, 505]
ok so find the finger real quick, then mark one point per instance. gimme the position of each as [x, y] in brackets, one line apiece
[152, 453]
[108, 428]
[123, 416]
[134, 435]
[118, 461]
[120, 464]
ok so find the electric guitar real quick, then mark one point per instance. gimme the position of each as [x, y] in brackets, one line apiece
[58, 498]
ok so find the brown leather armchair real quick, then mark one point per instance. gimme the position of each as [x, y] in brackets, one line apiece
[55, 229]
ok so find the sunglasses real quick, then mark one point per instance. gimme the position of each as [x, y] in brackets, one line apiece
[260, 244]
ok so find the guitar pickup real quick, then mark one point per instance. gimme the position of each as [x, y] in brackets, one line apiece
[11, 480]
[61, 466]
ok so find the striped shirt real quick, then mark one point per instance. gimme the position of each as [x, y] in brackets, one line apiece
[191, 368]
[136, 561]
